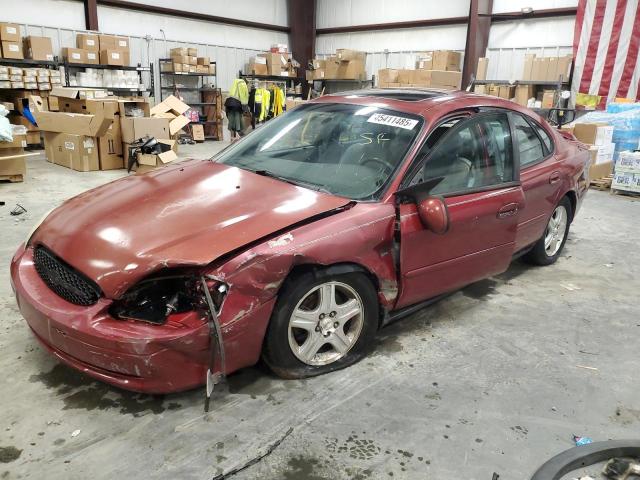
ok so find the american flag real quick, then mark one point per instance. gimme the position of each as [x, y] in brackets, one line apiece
[606, 49]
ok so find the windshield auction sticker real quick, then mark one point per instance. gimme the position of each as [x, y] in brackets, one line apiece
[401, 122]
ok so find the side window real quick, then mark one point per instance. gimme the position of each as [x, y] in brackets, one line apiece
[529, 144]
[544, 136]
[475, 154]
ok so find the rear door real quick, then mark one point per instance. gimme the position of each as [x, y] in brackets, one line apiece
[478, 167]
[539, 175]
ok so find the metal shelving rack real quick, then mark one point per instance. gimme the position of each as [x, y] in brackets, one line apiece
[173, 87]
[28, 63]
[288, 82]
[335, 85]
[139, 68]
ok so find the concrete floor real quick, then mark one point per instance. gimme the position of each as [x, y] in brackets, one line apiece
[495, 378]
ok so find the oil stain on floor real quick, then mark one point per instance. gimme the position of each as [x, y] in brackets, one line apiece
[80, 392]
[9, 454]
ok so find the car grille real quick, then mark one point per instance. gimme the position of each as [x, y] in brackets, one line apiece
[64, 279]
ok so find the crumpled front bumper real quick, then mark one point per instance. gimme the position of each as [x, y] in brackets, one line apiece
[129, 354]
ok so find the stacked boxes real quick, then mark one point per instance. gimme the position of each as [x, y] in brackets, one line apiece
[546, 68]
[114, 50]
[38, 48]
[186, 60]
[437, 69]
[598, 137]
[12, 158]
[96, 49]
[11, 41]
[627, 174]
[344, 65]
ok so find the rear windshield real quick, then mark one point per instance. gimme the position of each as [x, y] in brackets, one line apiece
[346, 150]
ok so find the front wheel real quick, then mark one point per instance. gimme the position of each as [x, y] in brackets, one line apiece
[321, 323]
[547, 250]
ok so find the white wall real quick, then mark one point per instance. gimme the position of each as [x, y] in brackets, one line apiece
[503, 6]
[51, 13]
[265, 11]
[340, 13]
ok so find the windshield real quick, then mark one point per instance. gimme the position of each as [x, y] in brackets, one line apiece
[346, 150]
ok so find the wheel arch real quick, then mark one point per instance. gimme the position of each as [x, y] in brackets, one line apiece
[573, 199]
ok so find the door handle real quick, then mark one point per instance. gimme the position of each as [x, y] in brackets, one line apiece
[508, 210]
[554, 177]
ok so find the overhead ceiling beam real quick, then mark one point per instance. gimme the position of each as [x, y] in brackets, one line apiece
[435, 22]
[478, 28]
[90, 14]
[440, 22]
[139, 7]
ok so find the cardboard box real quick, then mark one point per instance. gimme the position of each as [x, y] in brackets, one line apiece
[446, 60]
[203, 60]
[351, 70]
[481, 89]
[112, 57]
[12, 50]
[92, 58]
[548, 98]
[12, 158]
[134, 107]
[38, 48]
[523, 94]
[147, 163]
[193, 60]
[19, 141]
[112, 42]
[593, 133]
[197, 132]
[346, 55]
[404, 76]
[77, 152]
[560, 68]
[258, 66]
[629, 161]
[600, 170]
[74, 55]
[435, 78]
[540, 69]
[318, 63]
[179, 51]
[94, 123]
[388, 75]
[183, 59]
[424, 60]
[10, 32]
[192, 51]
[527, 71]
[33, 137]
[507, 91]
[88, 41]
[483, 65]
[134, 128]
[276, 62]
[110, 147]
[317, 74]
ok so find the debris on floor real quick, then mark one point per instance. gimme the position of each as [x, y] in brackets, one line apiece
[18, 210]
[75, 433]
[581, 440]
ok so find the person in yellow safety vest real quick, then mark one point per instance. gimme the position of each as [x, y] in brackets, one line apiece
[240, 91]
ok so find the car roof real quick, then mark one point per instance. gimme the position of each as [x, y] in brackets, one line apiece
[420, 100]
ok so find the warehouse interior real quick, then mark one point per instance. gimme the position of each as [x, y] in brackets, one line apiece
[104, 104]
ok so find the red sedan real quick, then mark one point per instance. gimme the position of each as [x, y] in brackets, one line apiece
[299, 242]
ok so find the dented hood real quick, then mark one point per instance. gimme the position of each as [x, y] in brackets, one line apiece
[185, 214]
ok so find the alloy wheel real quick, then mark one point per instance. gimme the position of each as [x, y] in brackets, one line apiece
[326, 323]
[556, 229]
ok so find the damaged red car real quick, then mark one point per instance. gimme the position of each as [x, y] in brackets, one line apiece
[296, 244]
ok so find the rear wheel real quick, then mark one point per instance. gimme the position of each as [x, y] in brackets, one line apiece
[547, 250]
[321, 323]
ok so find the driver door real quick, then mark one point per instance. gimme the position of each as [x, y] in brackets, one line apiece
[479, 185]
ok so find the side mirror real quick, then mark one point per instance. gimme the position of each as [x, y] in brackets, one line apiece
[434, 215]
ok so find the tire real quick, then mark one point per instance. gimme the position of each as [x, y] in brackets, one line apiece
[547, 250]
[321, 337]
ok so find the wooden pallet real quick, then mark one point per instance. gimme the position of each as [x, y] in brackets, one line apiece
[626, 193]
[11, 178]
[602, 184]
